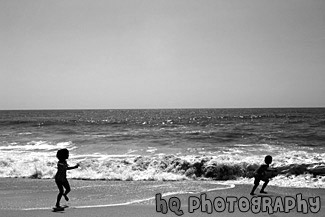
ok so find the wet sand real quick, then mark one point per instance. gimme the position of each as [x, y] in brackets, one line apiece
[34, 197]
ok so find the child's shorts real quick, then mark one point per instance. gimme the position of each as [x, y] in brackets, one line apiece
[257, 180]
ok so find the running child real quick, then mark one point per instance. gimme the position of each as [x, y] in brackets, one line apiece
[61, 176]
[260, 174]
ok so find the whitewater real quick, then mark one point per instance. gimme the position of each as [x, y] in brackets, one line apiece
[166, 145]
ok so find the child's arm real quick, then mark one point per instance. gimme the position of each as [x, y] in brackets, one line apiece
[272, 172]
[260, 170]
[71, 168]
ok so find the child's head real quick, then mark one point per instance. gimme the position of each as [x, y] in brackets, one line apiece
[268, 159]
[62, 154]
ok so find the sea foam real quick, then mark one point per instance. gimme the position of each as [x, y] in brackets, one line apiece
[295, 168]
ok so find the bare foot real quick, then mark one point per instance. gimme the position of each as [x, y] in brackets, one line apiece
[66, 197]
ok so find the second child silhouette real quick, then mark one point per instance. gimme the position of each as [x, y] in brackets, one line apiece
[260, 174]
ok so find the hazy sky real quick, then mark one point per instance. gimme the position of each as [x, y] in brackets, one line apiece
[58, 54]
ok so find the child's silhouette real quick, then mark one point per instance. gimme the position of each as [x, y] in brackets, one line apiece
[61, 175]
[260, 174]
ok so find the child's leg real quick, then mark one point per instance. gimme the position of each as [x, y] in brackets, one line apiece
[67, 189]
[264, 186]
[253, 190]
[61, 190]
[256, 183]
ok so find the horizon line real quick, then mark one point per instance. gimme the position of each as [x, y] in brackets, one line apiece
[167, 108]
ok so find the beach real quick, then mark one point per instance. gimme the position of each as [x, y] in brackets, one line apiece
[35, 197]
[162, 108]
[132, 160]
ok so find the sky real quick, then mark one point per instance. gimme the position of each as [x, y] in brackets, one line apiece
[135, 54]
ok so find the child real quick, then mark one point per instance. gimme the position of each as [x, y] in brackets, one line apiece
[260, 174]
[61, 175]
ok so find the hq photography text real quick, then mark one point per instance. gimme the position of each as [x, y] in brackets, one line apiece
[230, 204]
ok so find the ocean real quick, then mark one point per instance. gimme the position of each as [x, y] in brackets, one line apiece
[201, 145]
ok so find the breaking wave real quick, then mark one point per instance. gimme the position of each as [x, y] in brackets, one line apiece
[295, 168]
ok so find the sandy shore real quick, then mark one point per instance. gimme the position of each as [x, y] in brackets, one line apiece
[32, 198]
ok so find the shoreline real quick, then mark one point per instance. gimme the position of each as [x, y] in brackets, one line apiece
[109, 198]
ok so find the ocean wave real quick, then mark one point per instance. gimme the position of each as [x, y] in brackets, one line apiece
[149, 117]
[37, 146]
[168, 167]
